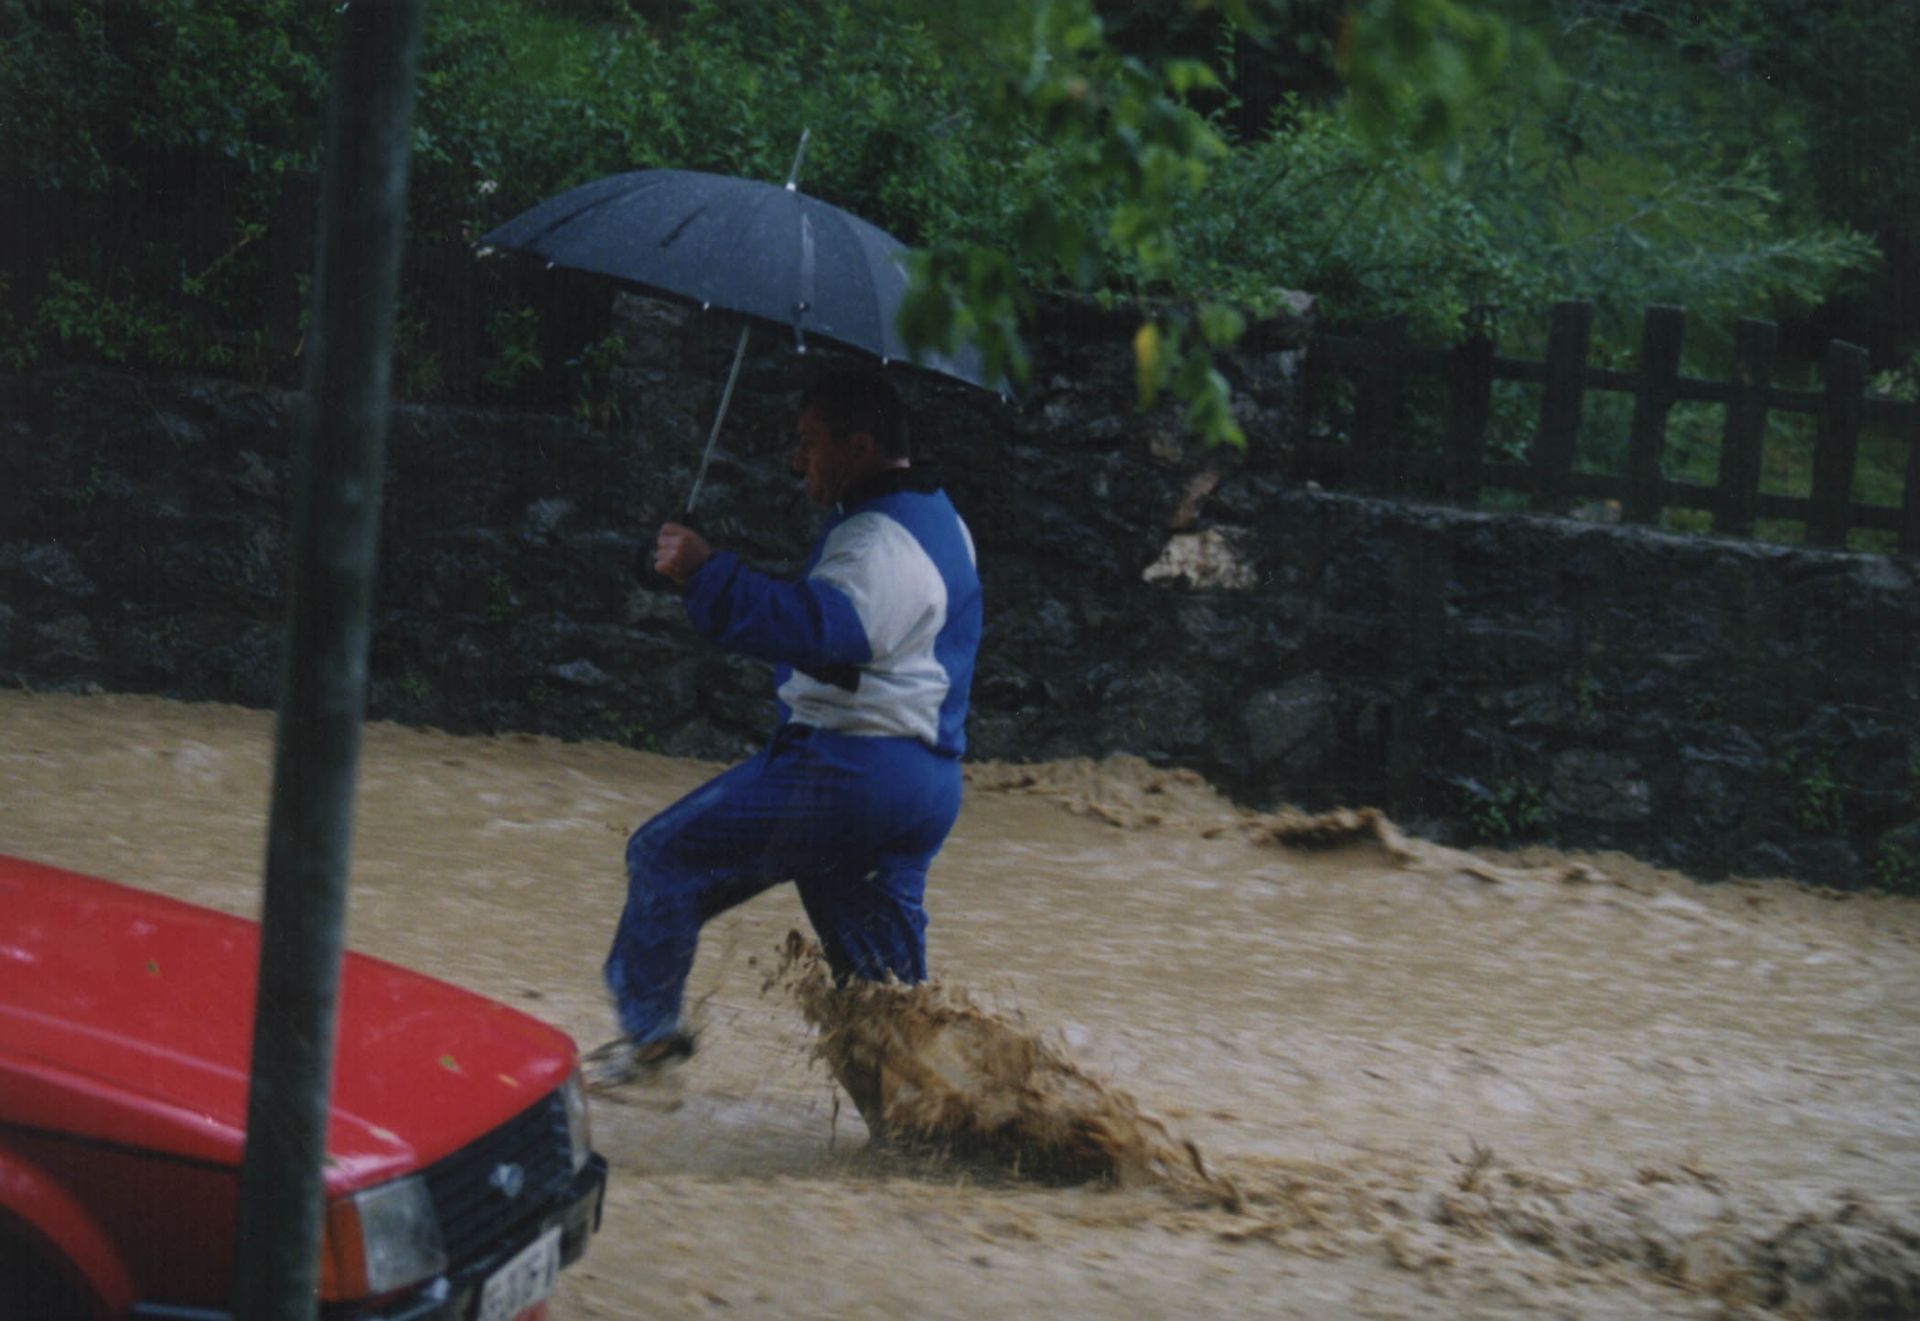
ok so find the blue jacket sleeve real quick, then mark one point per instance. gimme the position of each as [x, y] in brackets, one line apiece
[807, 624]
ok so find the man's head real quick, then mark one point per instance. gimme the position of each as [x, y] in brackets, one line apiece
[851, 425]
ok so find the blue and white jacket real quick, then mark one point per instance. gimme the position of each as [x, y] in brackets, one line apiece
[879, 635]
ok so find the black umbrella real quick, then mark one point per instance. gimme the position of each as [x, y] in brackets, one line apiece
[765, 251]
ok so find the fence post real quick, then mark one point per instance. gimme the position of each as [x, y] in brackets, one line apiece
[1910, 502]
[1559, 437]
[1471, 399]
[1306, 408]
[1660, 335]
[1841, 412]
[447, 279]
[1379, 404]
[289, 257]
[1756, 345]
[1420, 606]
[576, 308]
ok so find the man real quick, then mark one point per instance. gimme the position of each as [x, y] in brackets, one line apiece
[855, 792]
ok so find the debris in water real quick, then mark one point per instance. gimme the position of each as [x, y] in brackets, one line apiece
[926, 1065]
[1128, 792]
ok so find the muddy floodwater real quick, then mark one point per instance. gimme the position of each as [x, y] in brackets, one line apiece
[1419, 1082]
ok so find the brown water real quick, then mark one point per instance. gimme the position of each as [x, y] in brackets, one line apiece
[1421, 1082]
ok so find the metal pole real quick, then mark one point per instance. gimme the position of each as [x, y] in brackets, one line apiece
[726, 398]
[323, 682]
[800, 154]
[739, 352]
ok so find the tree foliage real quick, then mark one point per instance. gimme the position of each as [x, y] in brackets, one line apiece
[1413, 158]
[141, 152]
[1824, 92]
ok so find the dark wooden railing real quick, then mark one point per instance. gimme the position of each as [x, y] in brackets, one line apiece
[1376, 453]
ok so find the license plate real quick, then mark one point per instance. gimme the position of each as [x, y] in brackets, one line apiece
[522, 1282]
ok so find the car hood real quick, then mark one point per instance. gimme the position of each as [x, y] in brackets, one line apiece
[127, 1017]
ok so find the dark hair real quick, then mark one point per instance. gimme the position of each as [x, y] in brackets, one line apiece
[861, 399]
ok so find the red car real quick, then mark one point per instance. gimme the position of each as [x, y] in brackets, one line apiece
[459, 1174]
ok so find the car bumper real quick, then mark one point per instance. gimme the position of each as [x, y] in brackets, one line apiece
[455, 1294]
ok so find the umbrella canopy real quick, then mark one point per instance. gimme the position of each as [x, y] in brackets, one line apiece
[762, 250]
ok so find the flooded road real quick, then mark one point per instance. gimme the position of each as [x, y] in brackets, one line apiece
[1437, 1083]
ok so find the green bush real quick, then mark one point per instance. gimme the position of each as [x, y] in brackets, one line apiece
[162, 158]
[141, 158]
[1896, 870]
[1366, 227]
[156, 143]
[1505, 811]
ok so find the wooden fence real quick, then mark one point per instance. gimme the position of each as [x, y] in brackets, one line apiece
[1376, 453]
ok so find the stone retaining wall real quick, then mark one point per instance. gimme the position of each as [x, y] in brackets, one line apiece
[1728, 707]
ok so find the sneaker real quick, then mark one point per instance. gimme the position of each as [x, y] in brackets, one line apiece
[620, 1063]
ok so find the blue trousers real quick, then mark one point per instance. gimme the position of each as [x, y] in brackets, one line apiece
[854, 822]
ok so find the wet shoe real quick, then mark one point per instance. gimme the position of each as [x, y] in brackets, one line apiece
[621, 1063]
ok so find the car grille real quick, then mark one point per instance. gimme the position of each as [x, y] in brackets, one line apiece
[469, 1187]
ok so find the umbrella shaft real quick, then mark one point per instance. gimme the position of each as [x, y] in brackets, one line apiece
[800, 154]
[726, 398]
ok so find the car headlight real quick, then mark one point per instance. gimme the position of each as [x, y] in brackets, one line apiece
[381, 1239]
[579, 1129]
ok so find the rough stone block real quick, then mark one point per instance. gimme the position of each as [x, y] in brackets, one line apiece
[1291, 726]
[1599, 786]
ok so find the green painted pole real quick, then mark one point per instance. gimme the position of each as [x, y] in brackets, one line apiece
[334, 548]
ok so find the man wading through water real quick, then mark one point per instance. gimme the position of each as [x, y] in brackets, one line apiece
[855, 792]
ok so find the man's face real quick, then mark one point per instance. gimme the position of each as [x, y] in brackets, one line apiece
[828, 462]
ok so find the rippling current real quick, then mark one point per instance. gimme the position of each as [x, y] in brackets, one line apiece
[1434, 1083]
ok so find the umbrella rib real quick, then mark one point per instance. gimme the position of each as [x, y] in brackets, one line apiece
[805, 304]
[587, 207]
[879, 261]
[673, 235]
